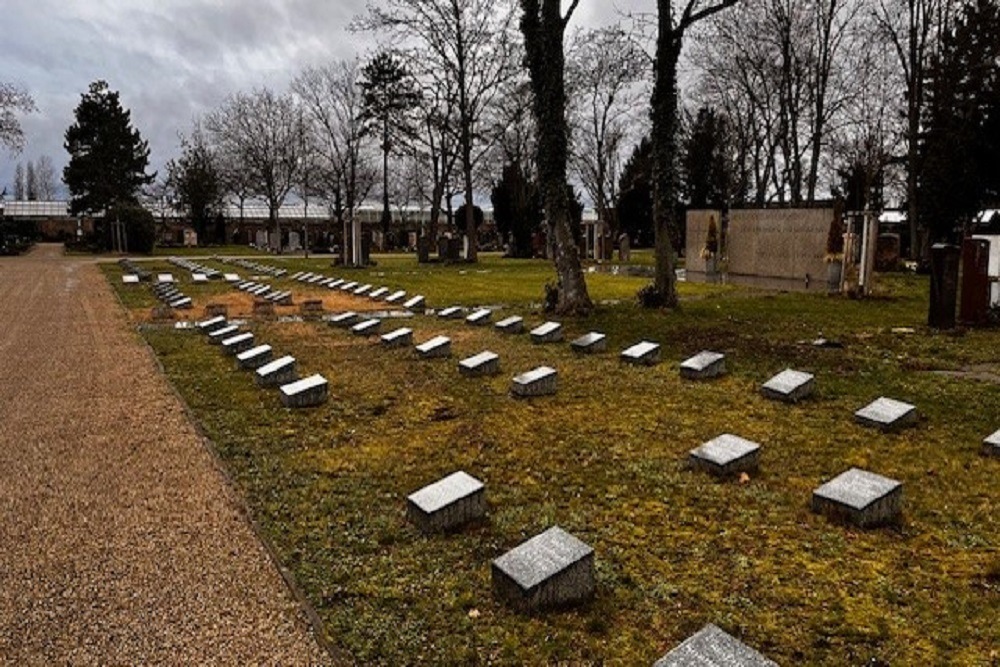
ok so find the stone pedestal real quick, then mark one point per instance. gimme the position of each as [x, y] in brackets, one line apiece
[436, 348]
[398, 338]
[511, 325]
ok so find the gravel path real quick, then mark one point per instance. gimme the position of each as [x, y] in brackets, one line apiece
[120, 540]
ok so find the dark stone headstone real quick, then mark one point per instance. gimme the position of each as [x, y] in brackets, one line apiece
[944, 286]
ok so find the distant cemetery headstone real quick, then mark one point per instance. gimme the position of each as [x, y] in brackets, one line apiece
[553, 569]
[991, 445]
[436, 348]
[726, 455]
[399, 338]
[511, 325]
[199, 277]
[590, 343]
[645, 353]
[542, 381]
[479, 317]
[859, 497]
[306, 393]
[348, 286]
[711, 647]
[345, 320]
[336, 284]
[231, 277]
[452, 313]
[276, 373]
[484, 363]
[254, 358]
[704, 366]
[550, 332]
[367, 327]
[415, 303]
[790, 386]
[183, 303]
[130, 279]
[164, 278]
[447, 504]
[887, 414]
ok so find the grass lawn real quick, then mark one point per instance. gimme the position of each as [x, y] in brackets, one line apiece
[209, 251]
[604, 459]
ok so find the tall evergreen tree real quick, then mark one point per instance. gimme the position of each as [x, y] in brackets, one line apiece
[517, 210]
[707, 161]
[635, 205]
[108, 157]
[196, 182]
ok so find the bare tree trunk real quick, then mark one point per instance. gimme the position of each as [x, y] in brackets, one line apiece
[664, 137]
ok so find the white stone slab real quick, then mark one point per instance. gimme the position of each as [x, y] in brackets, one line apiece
[361, 290]
[316, 280]
[238, 343]
[211, 324]
[199, 277]
[479, 317]
[726, 455]
[704, 366]
[991, 445]
[182, 302]
[402, 337]
[437, 347]
[415, 302]
[165, 278]
[645, 353]
[335, 284]
[348, 319]
[305, 277]
[859, 497]
[254, 358]
[541, 381]
[367, 328]
[550, 332]
[447, 504]
[348, 286]
[395, 297]
[484, 363]
[451, 313]
[711, 647]
[887, 414]
[275, 373]
[231, 277]
[130, 279]
[590, 343]
[325, 282]
[217, 336]
[511, 325]
[378, 293]
[551, 569]
[305, 393]
[296, 275]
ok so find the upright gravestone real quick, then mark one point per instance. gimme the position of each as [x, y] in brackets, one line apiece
[704, 366]
[645, 353]
[379, 293]
[711, 647]
[859, 497]
[276, 373]
[550, 332]
[553, 569]
[447, 504]
[789, 386]
[726, 455]
[887, 414]
[991, 445]
[484, 363]
[542, 381]
[590, 343]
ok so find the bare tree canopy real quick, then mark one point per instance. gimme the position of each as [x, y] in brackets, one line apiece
[45, 179]
[13, 100]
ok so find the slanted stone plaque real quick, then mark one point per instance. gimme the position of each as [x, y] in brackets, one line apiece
[711, 647]
[402, 337]
[480, 317]
[335, 284]
[376, 294]
[415, 303]
[238, 343]
[510, 325]
[789, 386]
[316, 280]
[436, 348]
[859, 497]
[296, 275]
[542, 381]
[348, 286]
[345, 320]
[452, 313]
[361, 290]
[306, 393]
[550, 332]
[395, 297]
[367, 327]
[553, 569]
[325, 282]
[887, 414]
[216, 336]
[726, 455]
[254, 358]
[164, 278]
[130, 279]
[645, 353]
[447, 504]
[182, 303]
[590, 343]
[704, 366]
[211, 324]
[304, 277]
[991, 445]
[276, 373]
[482, 364]
[199, 277]
[231, 277]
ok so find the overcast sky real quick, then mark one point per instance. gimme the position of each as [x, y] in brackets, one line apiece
[173, 60]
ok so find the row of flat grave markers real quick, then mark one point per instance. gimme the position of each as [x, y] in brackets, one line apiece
[168, 294]
[258, 267]
[199, 272]
[382, 294]
[268, 372]
[133, 273]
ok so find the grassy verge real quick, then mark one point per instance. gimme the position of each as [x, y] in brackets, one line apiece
[604, 459]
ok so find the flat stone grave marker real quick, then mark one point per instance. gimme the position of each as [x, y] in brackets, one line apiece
[211, 324]
[362, 290]
[254, 358]
[447, 504]
[261, 291]
[645, 353]
[130, 279]
[164, 278]
[304, 277]
[315, 280]
[991, 445]
[510, 325]
[378, 293]
[242, 286]
[199, 277]
[325, 282]
[276, 373]
[726, 455]
[479, 317]
[238, 343]
[367, 328]
[280, 272]
[306, 393]
[711, 647]
[395, 297]
[346, 287]
[550, 332]
[451, 313]
[436, 348]
[704, 366]
[283, 298]
[887, 414]
[484, 363]
[590, 343]
[402, 337]
[335, 284]
[231, 277]
[542, 381]
[552, 569]
[182, 303]
[416, 302]
[216, 336]
[296, 275]
[790, 386]
[859, 497]
[348, 319]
